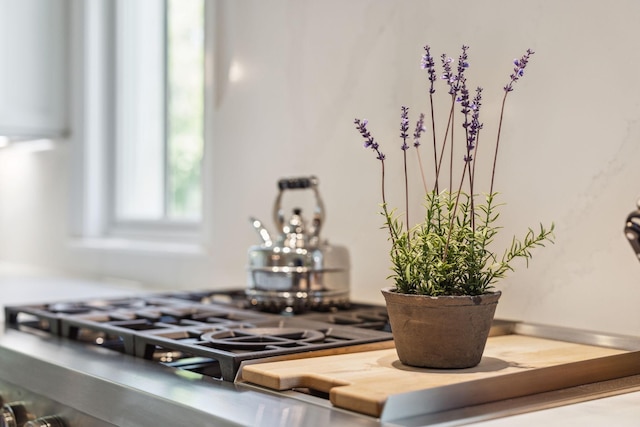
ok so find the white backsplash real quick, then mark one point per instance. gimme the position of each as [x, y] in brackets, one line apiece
[292, 75]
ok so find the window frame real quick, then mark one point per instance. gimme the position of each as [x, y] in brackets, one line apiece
[93, 120]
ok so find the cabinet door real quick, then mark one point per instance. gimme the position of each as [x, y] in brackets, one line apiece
[33, 64]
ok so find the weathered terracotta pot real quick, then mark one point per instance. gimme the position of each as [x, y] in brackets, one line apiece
[440, 332]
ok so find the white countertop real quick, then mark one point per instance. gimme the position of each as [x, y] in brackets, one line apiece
[616, 411]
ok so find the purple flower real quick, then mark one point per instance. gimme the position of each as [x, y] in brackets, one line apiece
[475, 125]
[448, 74]
[418, 132]
[462, 66]
[518, 70]
[455, 81]
[429, 64]
[404, 127]
[463, 99]
[369, 142]
[462, 60]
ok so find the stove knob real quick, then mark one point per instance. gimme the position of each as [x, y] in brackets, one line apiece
[14, 414]
[52, 421]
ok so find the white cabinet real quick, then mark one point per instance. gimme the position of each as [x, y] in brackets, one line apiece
[33, 67]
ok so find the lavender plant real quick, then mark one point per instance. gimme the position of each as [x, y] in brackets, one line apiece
[450, 251]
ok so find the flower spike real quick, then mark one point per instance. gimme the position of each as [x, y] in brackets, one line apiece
[404, 127]
[518, 70]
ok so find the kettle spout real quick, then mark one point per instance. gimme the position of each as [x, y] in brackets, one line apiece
[262, 231]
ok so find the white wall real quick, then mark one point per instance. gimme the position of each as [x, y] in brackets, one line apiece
[570, 144]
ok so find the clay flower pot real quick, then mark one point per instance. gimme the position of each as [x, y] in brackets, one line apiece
[440, 332]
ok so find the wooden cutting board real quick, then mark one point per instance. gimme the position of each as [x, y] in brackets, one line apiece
[512, 366]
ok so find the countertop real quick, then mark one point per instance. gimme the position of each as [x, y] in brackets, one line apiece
[19, 288]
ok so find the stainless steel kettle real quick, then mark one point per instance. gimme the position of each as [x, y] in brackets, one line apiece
[632, 229]
[297, 270]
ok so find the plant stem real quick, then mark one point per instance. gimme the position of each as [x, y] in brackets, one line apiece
[384, 208]
[406, 191]
[384, 198]
[475, 155]
[469, 159]
[472, 175]
[451, 150]
[471, 202]
[433, 133]
[495, 155]
[453, 215]
[424, 181]
[444, 142]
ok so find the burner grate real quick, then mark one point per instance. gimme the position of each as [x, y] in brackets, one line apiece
[191, 332]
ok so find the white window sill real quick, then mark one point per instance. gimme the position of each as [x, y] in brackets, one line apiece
[147, 247]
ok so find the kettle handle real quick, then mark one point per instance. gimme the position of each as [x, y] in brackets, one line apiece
[300, 184]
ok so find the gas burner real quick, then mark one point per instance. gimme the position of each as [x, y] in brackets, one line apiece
[289, 303]
[231, 298]
[359, 316]
[262, 338]
[69, 308]
[219, 350]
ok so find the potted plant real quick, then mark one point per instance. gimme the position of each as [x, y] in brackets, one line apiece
[444, 268]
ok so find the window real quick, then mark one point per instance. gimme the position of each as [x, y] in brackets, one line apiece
[139, 120]
[159, 109]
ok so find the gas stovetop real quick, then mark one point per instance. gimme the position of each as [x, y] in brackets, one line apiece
[206, 332]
